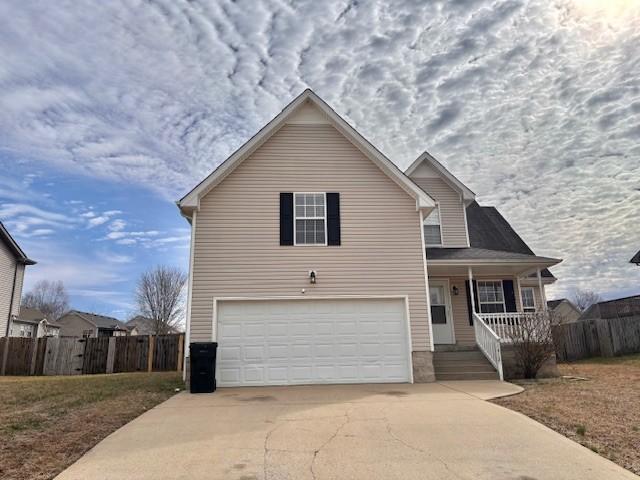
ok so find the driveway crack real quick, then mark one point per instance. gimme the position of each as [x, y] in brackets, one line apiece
[266, 449]
[329, 440]
[418, 449]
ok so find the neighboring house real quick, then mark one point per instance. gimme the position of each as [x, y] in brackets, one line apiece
[314, 259]
[84, 324]
[563, 311]
[619, 307]
[12, 265]
[32, 323]
[140, 325]
[636, 259]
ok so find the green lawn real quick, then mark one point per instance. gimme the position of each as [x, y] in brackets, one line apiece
[46, 423]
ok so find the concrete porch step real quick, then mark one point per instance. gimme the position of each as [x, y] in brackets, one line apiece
[466, 367]
[463, 364]
[468, 376]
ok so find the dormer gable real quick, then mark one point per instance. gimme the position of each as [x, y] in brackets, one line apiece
[447, 225]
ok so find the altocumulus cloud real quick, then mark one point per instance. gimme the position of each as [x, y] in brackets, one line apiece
[534, 104]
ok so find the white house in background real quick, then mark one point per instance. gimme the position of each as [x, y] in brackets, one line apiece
[12, 265]
[563, 310]
[32, 323]
[314, 259]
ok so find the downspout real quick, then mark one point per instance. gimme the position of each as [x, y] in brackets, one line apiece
[13, 293]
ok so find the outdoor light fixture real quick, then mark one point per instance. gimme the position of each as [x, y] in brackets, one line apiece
[455, 290]
[312, 276]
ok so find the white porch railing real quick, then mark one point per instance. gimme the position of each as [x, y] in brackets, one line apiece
[509, 325]
[489, 343]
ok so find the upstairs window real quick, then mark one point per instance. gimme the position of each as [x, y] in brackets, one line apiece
[310, 219]
[491, 297]
[432, 230]
[528, 299]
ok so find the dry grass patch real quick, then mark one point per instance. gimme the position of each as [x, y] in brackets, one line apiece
[47, 423]
[602, 412]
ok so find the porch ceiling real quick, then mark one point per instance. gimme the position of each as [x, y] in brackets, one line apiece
[461, 270]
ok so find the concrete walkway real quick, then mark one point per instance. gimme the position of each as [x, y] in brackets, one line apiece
[428, 431]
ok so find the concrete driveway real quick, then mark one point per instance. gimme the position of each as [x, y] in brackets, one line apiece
[429, 431]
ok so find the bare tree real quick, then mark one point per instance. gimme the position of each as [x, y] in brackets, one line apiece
[159, 297]
[50, 297]
[533, 343]
[583, 299]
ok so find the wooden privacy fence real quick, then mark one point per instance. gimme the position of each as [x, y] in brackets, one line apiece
[83, 356]
[606, 337]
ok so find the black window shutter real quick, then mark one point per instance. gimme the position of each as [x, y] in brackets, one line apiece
[333, 219]
[286, 218]
[509, 296]
[475, 298]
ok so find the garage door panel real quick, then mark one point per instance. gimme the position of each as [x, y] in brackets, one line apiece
[281, 342]
[346, 327]
[278, 329]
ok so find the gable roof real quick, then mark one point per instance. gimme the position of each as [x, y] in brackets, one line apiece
[636, 258]
[191, 200]
[31, 314]
[100, 321]
[144, 325]
[553, 304]
[489, 230]
[467, 194]
[14, 247]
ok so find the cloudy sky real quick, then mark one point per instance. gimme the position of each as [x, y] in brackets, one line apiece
[110, 111]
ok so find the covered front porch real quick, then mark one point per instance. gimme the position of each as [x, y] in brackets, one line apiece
[483, 303]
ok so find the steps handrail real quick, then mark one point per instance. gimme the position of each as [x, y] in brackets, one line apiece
[489, 343]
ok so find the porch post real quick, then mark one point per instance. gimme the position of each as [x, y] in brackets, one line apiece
[543, 297]
[471, 292]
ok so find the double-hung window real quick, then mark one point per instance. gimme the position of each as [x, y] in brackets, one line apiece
[310, 210]
[432, 229]
[528, 299]
[491, 297]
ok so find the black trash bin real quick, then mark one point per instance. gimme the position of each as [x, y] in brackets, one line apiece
[202, 358]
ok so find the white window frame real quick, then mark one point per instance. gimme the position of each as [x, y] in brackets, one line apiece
[533, 296]
[439, 224]
[324, 219]
[480, 302]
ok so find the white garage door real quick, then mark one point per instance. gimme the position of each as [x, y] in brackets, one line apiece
[288, 342]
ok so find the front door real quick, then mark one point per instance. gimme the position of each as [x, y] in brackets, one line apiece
[440, 312]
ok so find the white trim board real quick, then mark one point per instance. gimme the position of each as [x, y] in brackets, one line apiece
[191, 201]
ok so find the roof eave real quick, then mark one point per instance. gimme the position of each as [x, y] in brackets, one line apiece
[543, 262]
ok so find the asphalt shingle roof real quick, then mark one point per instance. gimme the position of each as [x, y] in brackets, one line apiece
[101, 321]
[489, 231]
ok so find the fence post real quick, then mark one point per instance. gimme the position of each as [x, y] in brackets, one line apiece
[34, 354]
[180, 352]
[5, 354]
[111, 354]
[152, 342]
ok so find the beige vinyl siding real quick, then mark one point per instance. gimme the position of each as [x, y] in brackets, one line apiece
[73, 325]
[7, 277]
[452, 218]
[237, 248]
